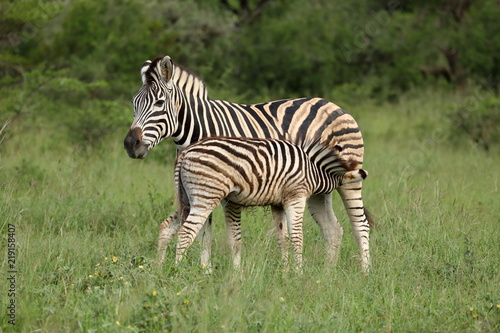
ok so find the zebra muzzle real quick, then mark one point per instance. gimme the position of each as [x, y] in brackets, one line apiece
[134, 145]
[354, 176]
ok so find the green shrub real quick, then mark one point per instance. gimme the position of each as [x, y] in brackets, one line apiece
[478, 118]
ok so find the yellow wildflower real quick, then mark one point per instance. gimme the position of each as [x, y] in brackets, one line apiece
[140, 266]
[186, 301]
[154, 293]
[96, 272]
[115, 259]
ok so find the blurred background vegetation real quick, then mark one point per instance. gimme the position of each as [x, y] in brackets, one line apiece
[420, 77]
[75, 63]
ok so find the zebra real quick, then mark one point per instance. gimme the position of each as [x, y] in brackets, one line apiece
[253, 172]
[173, 102]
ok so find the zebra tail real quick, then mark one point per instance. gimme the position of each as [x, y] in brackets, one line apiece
[371, 219]
[181, 198]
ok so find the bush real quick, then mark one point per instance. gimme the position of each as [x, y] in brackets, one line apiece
[478, 118]
[76, 108]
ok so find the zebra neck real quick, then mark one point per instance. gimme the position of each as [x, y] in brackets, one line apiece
[189, 84]
[192, 121]
[327, 175]
[189, 97]
[325, 183]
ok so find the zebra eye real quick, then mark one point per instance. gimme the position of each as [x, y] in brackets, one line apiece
[159, 103]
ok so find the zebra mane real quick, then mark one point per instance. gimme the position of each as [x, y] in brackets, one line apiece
[151, 72]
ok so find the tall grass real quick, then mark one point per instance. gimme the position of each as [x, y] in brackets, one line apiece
[87, 223]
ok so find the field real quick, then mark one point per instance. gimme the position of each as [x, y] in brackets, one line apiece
[85, 221]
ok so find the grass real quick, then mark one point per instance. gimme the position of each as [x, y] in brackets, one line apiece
[87, 221]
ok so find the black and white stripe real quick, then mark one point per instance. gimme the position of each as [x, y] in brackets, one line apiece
[173, 102]
[251, 172]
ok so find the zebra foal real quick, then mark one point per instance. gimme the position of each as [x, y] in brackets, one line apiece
[253, 172]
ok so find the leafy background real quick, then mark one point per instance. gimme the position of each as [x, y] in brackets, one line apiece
[420, 77]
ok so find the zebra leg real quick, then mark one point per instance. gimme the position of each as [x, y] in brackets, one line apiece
[168, 229]
[320, 207]
[206, 245]
[189, 230]
[232, 212]
[353, 203]
[280, 223]
[294, 212]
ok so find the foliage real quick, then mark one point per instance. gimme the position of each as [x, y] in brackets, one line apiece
[482, 58]
[477, 118]
[259, 48]
[387, 47]
[75, 107]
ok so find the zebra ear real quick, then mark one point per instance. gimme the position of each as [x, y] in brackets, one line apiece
[144, 69]
[167, 68]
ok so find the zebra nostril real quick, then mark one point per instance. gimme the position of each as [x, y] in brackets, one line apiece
[133, 140]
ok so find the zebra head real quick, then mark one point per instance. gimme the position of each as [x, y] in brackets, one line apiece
[154, 112]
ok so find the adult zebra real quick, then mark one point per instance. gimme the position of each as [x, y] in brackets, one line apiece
[173, 102]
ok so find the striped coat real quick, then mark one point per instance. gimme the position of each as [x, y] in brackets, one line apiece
[173, 102]
[252, 172]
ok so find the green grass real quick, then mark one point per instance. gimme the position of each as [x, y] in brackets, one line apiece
[436, 265]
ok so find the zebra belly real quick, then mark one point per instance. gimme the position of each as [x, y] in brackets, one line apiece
[266, 197]
[246, 198]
